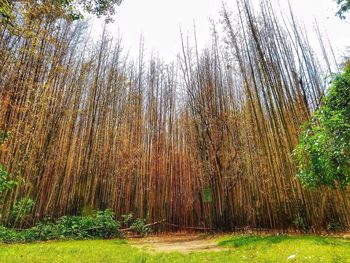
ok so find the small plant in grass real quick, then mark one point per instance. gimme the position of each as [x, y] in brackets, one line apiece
[251, 240]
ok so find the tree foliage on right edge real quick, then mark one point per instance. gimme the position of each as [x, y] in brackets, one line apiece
[323, 152]
[344, 6]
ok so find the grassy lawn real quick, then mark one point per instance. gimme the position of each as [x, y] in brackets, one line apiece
[235, 249]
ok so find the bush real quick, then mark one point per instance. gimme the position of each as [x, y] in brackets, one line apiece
[5, 182]
[137, 225]
[299, 223]
[100, 225]
[323, 152]
[127, 219]
[21, 209]
[335, 226]
[140, 227]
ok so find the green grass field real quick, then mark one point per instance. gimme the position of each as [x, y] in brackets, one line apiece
[234, 249]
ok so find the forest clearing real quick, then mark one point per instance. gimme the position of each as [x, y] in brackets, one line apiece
[105, 156]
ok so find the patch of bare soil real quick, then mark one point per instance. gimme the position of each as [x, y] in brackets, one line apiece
[177, 243]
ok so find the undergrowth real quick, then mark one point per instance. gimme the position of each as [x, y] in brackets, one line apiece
[99, 225]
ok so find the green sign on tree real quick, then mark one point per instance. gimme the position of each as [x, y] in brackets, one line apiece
[207, 195]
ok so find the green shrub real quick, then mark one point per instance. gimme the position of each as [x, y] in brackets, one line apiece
[87, 211]
[21, 209]
[100, 225]
[335, 225]
[9, 235]
[5, 182]
[127, 219]
[4, 136]
[140, 227]
[323, 152]
[299, 223]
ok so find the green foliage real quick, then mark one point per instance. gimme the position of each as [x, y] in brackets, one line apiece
[254, 241]
[21, 209]
[6, 16]
[240, 241]
[99, 8]
[4, 136]
[344, 6]
[137, 225]
[207, 195]
[88, 211]
[67, 9]
[323, 152]
[299, 223]
[335, 226]
[100, 225]
[5, 182]
[127, 219]
[140, 227]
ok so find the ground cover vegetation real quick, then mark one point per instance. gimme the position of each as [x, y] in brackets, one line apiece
[206, 141]
[100, 224]
[231, 249]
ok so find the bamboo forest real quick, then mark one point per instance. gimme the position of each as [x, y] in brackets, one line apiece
[242, 139]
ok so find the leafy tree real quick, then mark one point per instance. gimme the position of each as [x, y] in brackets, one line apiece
[97, 7]
[323, 152]
[344, 6]
[63, 8]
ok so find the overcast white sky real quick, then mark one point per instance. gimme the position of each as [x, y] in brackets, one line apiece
[158, 21]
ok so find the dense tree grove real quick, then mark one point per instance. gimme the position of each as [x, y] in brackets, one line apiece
[205, 141]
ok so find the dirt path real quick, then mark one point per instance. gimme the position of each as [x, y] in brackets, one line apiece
[178, 243]
[186, 242]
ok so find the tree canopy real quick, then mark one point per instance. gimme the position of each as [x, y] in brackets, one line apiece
[71, 9]
[96, 7]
